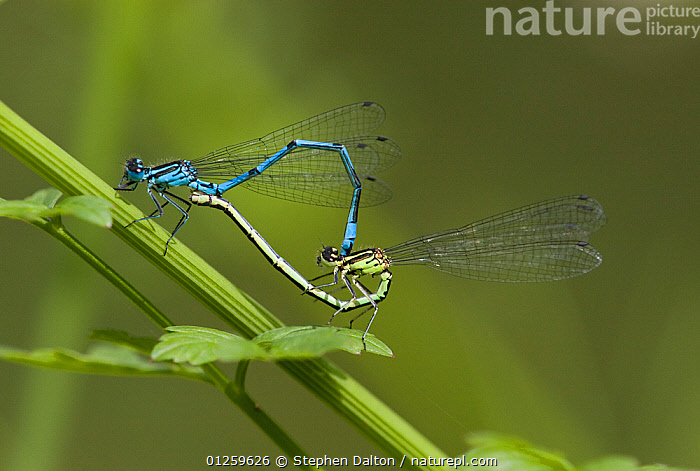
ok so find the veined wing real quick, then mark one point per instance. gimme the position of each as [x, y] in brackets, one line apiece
[544, 241]
[332, 190]
[311, 175]
[359, 119]
[317, 176]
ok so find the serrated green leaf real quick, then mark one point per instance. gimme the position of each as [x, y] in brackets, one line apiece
[100, 359]
[199, 345]
[305, 342]
[88, 208]
[374, 345]
[352, 339]
[313, 341]
[142, 345]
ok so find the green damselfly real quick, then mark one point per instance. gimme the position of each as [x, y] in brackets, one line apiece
[545, 241]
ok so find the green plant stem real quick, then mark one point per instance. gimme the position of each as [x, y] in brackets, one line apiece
[351, 400]
[233, 390]
[250, 408]
[57, 230]
[241, 370]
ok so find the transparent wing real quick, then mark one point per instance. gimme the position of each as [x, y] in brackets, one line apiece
[313, 176]
[544, 241]
[321, 190]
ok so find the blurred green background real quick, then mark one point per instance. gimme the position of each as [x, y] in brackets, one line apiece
[605, 363]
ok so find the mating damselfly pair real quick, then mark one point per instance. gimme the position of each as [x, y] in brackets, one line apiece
[328, 160]
[308, 162]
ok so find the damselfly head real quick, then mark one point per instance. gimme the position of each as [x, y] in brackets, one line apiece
[329, 257]
[134, 170]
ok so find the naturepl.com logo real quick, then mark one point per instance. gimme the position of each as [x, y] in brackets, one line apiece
[660, 20]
